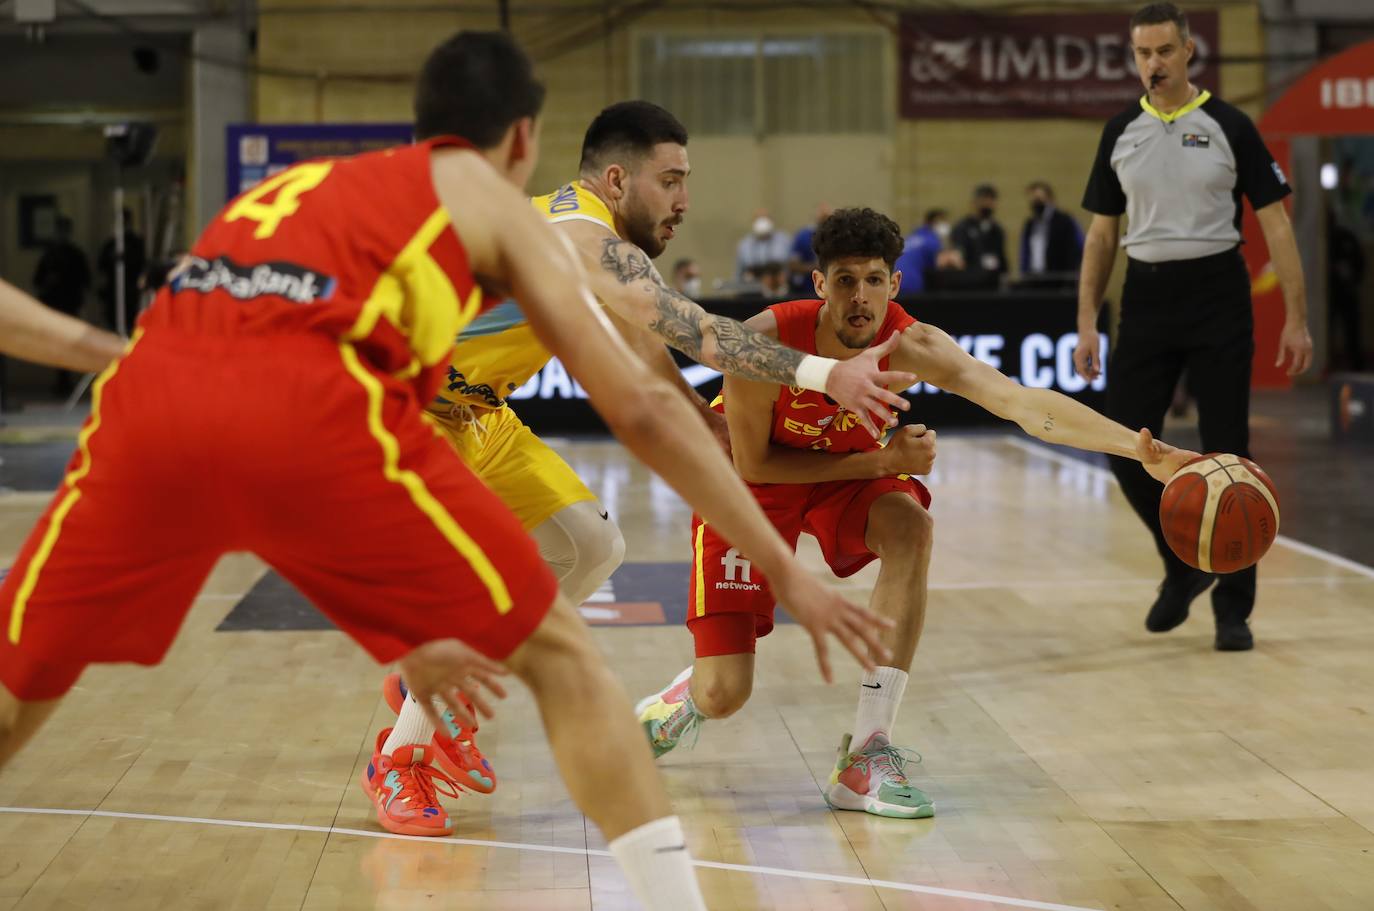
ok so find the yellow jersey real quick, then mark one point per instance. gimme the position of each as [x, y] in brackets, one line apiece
[497, 352]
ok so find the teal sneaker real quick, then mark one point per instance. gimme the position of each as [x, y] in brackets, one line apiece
[874, 780]
[670, 715]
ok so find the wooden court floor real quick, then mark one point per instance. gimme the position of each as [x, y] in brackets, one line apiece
[1077, 762]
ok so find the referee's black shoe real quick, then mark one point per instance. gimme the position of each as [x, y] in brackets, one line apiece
[1234, 636]
[1176, 594]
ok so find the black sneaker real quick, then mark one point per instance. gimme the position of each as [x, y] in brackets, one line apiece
[1176, 594]
[1234, 636]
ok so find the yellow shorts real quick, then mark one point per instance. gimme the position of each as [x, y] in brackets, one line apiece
[520, 468]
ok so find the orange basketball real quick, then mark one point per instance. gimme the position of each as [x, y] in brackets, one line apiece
[1220, 513]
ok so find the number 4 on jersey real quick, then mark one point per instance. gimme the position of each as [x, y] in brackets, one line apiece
[289, 186]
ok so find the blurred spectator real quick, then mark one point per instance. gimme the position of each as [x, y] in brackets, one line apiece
[981, 240]
[687, 278]
[773, 281]
[1345, 272]
[762, 249]
[63, 274]
[803, 259]
[135, 261]
[1051, 241]
[925, 252]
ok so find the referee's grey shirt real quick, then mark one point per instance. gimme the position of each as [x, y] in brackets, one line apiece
[1178, 178]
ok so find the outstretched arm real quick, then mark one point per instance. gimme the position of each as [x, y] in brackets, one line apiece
[32, 332]
[625, 280]
[1043, 413]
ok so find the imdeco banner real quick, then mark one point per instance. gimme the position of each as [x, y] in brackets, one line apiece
[969, 66]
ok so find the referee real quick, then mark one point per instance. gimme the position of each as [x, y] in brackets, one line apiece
[1176, 165]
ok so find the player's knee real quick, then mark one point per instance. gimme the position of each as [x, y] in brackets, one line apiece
[720, 697]
[582, 546]
[898, 527]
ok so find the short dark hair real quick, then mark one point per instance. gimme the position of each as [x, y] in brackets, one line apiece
[932, 214]
[683, 263]
[1040, 185]
[475, 85]
[1158, 14]
[857, 232]
[985, 190]
[628, 128]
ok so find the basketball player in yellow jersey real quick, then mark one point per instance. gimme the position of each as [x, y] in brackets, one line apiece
[620, 213]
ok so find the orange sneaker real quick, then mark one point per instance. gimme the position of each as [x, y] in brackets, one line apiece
[404, 789]
[455, 746]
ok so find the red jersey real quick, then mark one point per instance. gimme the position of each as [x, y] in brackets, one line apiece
[358, 249]
[805, 419]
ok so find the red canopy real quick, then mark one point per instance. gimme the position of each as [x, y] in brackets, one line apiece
[1334, 98]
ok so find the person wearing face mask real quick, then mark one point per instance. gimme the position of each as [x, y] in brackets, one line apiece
[981, 240]
[762, 251]
[1177, 164]
[1051, 241]
[687, 278]
[922, 251]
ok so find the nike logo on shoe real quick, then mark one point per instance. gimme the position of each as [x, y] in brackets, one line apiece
[670, 849]
[872, 686]
[604, 514]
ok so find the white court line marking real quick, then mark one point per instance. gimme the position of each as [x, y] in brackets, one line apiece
[1052, 583]
[1308, 549]
[555, 849]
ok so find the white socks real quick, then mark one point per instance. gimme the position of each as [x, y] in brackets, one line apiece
[880, 693]
[654, 858]
[413, 727]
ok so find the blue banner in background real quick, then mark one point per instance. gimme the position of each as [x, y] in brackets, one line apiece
[258, 150]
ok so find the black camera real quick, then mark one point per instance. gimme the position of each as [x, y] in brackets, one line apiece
[130, 145]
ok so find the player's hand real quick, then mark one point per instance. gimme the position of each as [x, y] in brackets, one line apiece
[1160, 459]
[862, 389]
[1087, 356]
[720, 428]
[445, 668]
[911, 450]
[824, 613]
[1295, 343]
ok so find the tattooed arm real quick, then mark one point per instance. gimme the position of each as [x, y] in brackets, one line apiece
[1051, 416]
[650, 349]
[626, 281]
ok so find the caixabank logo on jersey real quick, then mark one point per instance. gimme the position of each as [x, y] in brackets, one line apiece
[246, 282]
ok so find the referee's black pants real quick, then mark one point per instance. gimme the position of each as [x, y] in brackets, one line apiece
[1192, 314]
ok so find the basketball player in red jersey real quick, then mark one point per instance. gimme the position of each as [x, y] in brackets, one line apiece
[812, 469]
[271, 400]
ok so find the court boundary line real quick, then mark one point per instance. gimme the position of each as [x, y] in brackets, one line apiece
[556, 849]
[1043, 451]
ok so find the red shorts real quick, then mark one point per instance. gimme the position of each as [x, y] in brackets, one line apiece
[726, 589]
[289, 447]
